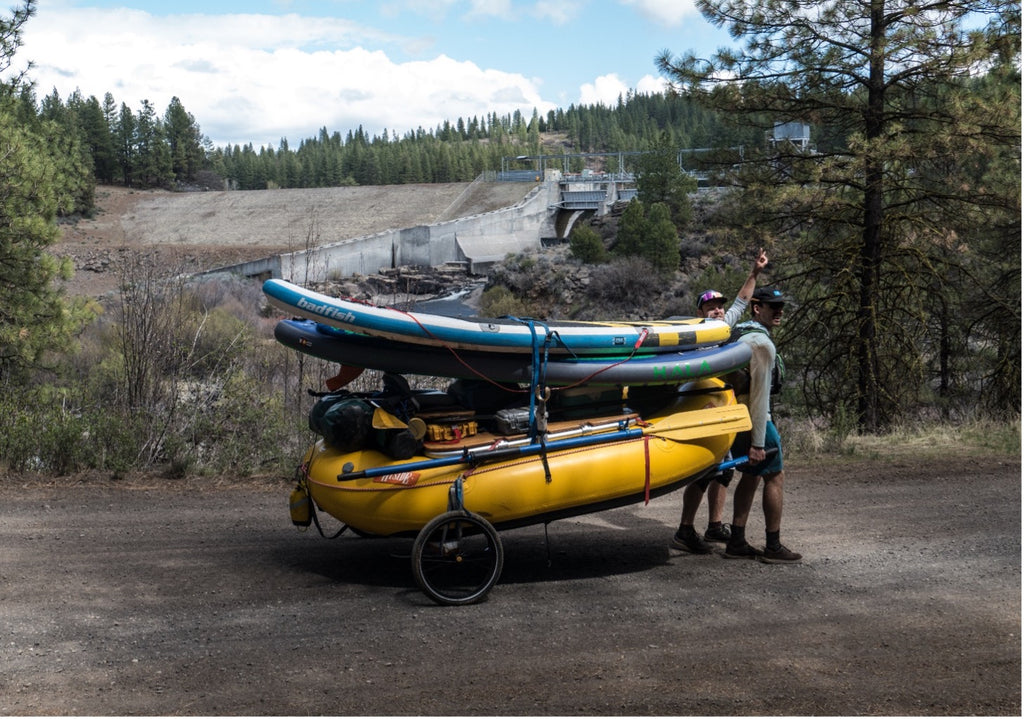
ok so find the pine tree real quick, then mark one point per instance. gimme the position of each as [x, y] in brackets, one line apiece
[868, 215]
[183, 138]
[33, 316]
[661, 241]
[629, 238]
[153, 153]
[660, 179]
[124, 145]
[97, 137]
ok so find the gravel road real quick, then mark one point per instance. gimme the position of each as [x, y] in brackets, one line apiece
[159, 597]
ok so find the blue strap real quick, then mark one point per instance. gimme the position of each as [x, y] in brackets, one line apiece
[538, 369]
[534, 379]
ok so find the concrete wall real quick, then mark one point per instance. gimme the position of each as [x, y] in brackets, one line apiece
[476, 241]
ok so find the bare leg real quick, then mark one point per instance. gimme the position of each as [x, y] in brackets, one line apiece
[716, 502]
[743, 499]
[772, 501]
[691, 501]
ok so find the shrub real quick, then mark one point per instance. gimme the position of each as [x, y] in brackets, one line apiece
[586, 245]
[624, 282]
[53, 430]
[498, 301]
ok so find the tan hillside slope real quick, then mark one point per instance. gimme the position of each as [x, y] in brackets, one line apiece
[194, 231]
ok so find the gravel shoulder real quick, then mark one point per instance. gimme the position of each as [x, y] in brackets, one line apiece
[162, 597]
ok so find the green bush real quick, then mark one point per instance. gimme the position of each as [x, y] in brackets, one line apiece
[48, 429]
[498, 301]
[586, 245]
[221, 397]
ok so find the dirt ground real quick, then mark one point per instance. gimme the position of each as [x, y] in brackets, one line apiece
[159, 597]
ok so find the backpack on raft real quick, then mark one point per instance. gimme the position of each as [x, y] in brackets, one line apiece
[351, 421]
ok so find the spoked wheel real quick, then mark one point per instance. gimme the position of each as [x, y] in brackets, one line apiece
[457, 557]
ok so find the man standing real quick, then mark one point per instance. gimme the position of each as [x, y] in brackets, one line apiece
[711, 304]
[766, 374]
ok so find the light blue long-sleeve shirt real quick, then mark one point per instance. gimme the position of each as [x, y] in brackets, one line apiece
[758, 400]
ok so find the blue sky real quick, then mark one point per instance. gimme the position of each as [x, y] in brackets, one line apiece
[262, 71]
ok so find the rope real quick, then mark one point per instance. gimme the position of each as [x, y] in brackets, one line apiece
[304, 470]
[539, 372]
[636, 346]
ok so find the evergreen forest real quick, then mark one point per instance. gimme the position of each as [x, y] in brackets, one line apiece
[146, 149]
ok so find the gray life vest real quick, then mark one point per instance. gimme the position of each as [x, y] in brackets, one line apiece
[740, 380]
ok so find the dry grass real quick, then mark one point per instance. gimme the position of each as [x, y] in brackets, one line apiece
[807, 440]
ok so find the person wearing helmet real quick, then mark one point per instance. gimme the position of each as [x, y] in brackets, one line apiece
[711, 304]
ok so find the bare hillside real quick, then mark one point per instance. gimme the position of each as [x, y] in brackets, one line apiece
[202, 230]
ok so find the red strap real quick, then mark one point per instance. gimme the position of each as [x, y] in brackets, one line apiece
[647, 469]
[640, 340]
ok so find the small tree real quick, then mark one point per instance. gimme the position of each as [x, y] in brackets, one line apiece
[661, 244]
[660, 178]
[33, 316]
[586, 245]
[629, 238]
[649, 234]
[184, 140]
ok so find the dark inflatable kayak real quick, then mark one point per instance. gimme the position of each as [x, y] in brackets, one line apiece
[358, 350]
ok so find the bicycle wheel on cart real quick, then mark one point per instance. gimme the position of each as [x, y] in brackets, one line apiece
[457, 557]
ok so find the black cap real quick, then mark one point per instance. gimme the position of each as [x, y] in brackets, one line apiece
[769, 295]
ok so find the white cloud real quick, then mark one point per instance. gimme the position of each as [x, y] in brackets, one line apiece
[605, 90]
[252, 78]
[650, 85]
[667, 12]
[490, 8]
[559, 13]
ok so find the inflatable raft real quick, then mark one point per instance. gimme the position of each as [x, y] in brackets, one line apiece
[507, 335]
[358, 350]
[457, 491]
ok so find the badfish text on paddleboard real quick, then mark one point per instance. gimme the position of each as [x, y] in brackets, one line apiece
[324, 311]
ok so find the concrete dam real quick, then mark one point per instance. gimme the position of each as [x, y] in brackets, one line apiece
[547, 211]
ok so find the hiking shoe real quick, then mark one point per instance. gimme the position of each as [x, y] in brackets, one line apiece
[718, 533]
[690, 542]
[780, 556]
[741, 551]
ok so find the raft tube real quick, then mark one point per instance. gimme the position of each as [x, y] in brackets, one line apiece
[536, 483]
[358, 350]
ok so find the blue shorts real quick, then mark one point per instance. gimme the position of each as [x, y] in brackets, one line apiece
[772, 465]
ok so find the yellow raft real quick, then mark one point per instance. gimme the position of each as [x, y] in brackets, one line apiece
[454, 498]
[605, 464]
